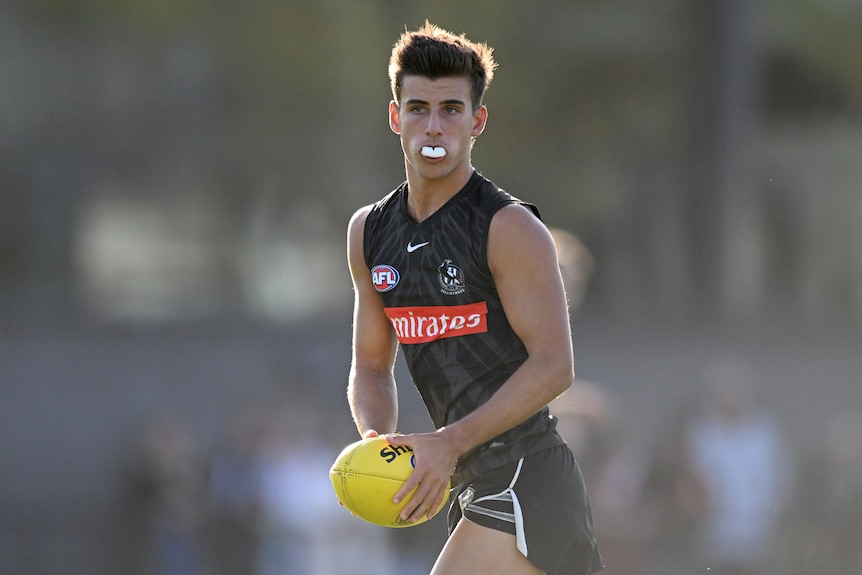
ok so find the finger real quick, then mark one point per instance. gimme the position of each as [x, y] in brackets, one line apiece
[413, 510]
[414, 503]
[397, 439]
[424, 504]
[405, 490]
[436, 507]
[424, 510]
[369, 433]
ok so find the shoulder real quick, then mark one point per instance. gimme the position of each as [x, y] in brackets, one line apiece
[359, 217]
[356, 237]
[516, 217]
[356, 225]
[516, 234]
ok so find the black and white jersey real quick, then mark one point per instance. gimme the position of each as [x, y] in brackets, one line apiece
[440, 297]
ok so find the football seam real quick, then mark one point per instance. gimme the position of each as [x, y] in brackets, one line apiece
[374, 475]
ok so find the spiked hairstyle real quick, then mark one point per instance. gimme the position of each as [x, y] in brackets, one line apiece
[434, 53]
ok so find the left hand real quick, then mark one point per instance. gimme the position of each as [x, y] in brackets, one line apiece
[435, 461]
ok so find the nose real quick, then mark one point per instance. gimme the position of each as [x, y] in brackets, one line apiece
[434, 124]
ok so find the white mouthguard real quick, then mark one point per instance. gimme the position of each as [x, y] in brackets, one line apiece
[433, 151]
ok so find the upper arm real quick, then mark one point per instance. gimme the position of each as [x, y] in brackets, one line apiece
[374, 342]
[523, 262]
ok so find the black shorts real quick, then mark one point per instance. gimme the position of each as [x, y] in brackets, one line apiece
[541, 499]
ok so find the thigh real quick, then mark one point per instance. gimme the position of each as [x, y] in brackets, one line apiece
[476, 550]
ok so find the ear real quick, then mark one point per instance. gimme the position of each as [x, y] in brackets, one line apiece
[394, 117]
[480, 118]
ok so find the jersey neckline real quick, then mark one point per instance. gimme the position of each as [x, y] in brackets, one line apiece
[474, 182]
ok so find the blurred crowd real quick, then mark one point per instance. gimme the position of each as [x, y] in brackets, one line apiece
[722, 488]
[719, 488]
[258, 503]
[712, 493]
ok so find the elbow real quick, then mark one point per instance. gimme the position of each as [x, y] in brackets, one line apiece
[565, 383]
[553, 367]
[563, 377]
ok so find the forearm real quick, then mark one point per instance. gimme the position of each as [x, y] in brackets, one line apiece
[535, 384]
[373, 400]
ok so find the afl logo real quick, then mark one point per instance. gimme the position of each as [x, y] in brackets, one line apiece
[451, 278]
[384, 278]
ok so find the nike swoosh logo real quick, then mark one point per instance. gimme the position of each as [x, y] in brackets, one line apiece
[411, 248]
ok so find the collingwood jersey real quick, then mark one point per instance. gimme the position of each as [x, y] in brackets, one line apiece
[439, 295]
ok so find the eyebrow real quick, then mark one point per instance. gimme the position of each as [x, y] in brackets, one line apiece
[450, 102]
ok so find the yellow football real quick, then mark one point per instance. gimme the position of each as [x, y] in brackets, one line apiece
[366, 476]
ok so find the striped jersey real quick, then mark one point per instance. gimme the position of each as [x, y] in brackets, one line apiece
[440, 297]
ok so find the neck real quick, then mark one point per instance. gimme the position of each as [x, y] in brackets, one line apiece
[429, 195]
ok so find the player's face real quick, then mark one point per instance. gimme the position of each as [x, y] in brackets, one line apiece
[437, 123]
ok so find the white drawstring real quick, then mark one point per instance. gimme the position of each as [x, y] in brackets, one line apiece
[520, 537]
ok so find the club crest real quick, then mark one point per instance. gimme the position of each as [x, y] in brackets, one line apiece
[451, 278]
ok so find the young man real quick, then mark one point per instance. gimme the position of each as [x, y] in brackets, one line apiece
[465, 278]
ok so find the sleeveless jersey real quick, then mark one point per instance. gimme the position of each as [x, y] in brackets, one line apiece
[440, 297]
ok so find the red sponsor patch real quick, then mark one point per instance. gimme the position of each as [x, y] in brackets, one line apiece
[421, 324]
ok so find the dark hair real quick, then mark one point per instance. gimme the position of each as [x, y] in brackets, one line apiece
[434, 53]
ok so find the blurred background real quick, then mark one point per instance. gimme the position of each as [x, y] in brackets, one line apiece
[176, 178]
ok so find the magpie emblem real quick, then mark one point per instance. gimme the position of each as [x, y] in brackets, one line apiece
[451, 278]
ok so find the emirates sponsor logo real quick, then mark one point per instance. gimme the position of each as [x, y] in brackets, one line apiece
[423, 324]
